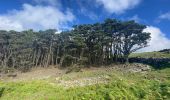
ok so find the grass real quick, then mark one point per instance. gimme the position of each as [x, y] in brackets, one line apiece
[154, 85]
[151, 55]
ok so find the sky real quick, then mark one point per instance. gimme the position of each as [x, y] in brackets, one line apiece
[22, 15]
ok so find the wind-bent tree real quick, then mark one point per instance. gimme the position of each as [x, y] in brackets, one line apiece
[132, 37]
[88, 44]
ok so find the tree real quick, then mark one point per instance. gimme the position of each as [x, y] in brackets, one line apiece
[86, 44]
[132, 37]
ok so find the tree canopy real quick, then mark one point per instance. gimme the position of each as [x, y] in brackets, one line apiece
[88, 44]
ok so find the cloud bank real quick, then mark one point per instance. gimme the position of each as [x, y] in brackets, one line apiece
[158, 40]
[36, 17]
[118, 6]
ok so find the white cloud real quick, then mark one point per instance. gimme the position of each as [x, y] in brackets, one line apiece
[88, 13]
[7, 24]
[118, 6]
[158, 40]
[165, 16]
[36, 17]
[49, 2]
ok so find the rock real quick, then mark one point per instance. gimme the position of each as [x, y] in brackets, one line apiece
[146, 68]
[138, 67]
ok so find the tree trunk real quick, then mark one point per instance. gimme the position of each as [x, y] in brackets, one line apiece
[48, 55]
[61, 61]
[126, 59]
[57, 56]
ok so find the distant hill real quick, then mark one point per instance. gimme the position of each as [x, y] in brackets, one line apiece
[165, 51]
[156, 54]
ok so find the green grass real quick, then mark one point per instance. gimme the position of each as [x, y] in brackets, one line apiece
[151, 55]
[154, 85]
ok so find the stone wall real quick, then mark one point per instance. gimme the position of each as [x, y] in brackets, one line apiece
[157, 63]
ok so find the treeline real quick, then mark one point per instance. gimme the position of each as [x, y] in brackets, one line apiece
[87, 44]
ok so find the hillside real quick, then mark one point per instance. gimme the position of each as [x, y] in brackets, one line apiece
[92, 83]
[155, 54]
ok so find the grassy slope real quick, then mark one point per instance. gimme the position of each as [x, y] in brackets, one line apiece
[120, 85]
[151, 55]
[125, 86]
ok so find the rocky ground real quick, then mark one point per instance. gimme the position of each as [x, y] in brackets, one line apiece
[58, 76]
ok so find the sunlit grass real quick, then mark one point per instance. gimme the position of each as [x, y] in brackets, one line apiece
[121, 86]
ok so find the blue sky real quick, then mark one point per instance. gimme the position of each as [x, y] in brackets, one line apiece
[62, 14]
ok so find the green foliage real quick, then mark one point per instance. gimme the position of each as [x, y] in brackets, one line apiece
[153, 86]
[88, 44]
[1, 90]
